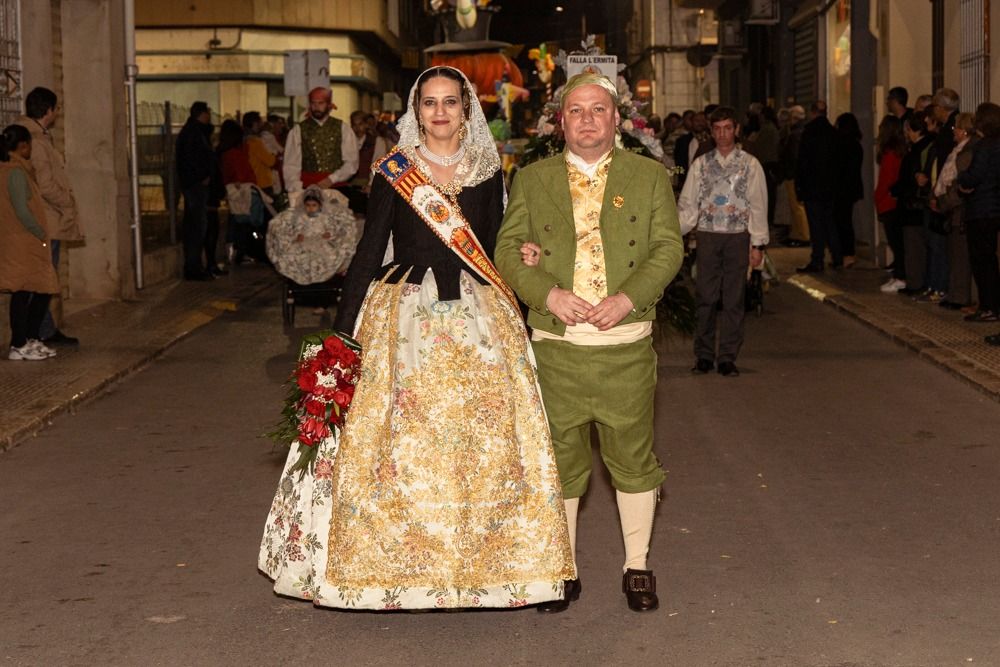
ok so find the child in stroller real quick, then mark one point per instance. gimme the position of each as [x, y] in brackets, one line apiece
[312, 244]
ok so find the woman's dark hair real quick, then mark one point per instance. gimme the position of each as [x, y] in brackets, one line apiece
[230, 136]
[847, 125]
[249, 119]
[988, 119]
[13, 136]
[890, 137]
[447, 73]
[917, 122]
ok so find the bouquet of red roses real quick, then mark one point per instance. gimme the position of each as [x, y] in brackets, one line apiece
[321, 391]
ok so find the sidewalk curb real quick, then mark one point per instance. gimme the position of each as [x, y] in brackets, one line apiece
[975, 375]
[195, 319]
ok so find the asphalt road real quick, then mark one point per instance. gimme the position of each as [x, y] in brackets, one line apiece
[836, 505]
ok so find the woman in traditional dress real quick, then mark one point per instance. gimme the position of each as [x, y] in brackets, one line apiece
[442, 489]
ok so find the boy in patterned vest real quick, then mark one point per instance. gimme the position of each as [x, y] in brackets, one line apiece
[725, 200]
[320, 150]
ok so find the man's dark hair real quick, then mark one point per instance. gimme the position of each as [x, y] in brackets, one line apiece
[899, 94]
[709, 108]
[250, 118]
[917, 122]
[198, 108]
[38, 102]
[275, 118]
[720, 114]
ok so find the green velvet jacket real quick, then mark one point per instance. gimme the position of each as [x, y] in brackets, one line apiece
[641, 235]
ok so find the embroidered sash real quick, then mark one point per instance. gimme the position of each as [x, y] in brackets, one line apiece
[442, 217]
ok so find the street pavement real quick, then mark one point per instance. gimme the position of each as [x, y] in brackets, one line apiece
[835, 505]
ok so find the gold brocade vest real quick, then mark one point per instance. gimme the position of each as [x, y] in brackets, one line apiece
[321, 146]
[590, 277]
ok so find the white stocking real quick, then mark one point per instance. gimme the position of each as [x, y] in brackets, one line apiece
[636, 513]
[572, 506]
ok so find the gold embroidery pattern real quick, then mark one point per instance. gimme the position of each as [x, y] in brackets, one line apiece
[590, 278]
[445, 490]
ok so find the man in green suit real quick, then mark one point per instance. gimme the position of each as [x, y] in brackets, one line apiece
[589, 241]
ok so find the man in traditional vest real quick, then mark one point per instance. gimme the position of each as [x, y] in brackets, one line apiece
[320, 150]
[603, 242]
[725, 199]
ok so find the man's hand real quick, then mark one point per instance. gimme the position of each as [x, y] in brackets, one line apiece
[610, 311]
[567, 306]
[325, 184]
[529, 253]
[922, 179]
[756, 257]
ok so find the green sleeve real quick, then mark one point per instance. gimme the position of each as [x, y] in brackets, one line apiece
[20, 193]
[666, 250]
[532, 284]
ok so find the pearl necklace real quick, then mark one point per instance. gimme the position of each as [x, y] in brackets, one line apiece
[442, 160]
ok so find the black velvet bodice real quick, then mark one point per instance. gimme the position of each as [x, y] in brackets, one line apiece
[415, 247]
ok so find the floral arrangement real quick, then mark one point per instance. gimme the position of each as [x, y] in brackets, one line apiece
[635, 134]
[320, 393]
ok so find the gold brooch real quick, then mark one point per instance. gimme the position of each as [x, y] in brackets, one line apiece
[618, 201]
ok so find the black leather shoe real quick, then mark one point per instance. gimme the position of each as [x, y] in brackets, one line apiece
[571, 593]
[639, 587]
[703, 366]
[809, 268]
[59, 338]
[728, 369]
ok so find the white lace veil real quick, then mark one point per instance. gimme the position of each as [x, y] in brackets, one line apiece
[480, 147]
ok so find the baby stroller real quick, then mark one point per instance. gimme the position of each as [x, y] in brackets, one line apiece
[311, 245]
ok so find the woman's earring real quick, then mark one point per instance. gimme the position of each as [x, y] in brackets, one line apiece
[463, 132]
[423, 135]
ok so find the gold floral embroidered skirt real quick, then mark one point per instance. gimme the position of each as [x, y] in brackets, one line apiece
[442, 489]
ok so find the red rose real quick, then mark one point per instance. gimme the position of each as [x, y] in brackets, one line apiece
[341, 398]
[324, 357]
[313, 430]
[316, 408]
[306, 382]
[333, 345]
[348, 358]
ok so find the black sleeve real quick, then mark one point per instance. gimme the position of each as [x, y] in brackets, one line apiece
[493, 214]
[368, 258]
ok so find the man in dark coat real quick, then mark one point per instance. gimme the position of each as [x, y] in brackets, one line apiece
[815, 186]
[195, 164]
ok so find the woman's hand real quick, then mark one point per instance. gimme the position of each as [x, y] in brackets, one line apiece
[530, 253]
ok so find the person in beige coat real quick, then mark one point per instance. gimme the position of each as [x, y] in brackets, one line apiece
[41, 111]
[25, 262]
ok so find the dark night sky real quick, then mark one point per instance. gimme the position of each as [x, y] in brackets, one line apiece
[530, 22]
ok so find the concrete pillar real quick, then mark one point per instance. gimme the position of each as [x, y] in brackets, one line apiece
[36, 46]
[95, 123]
[864, 76]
